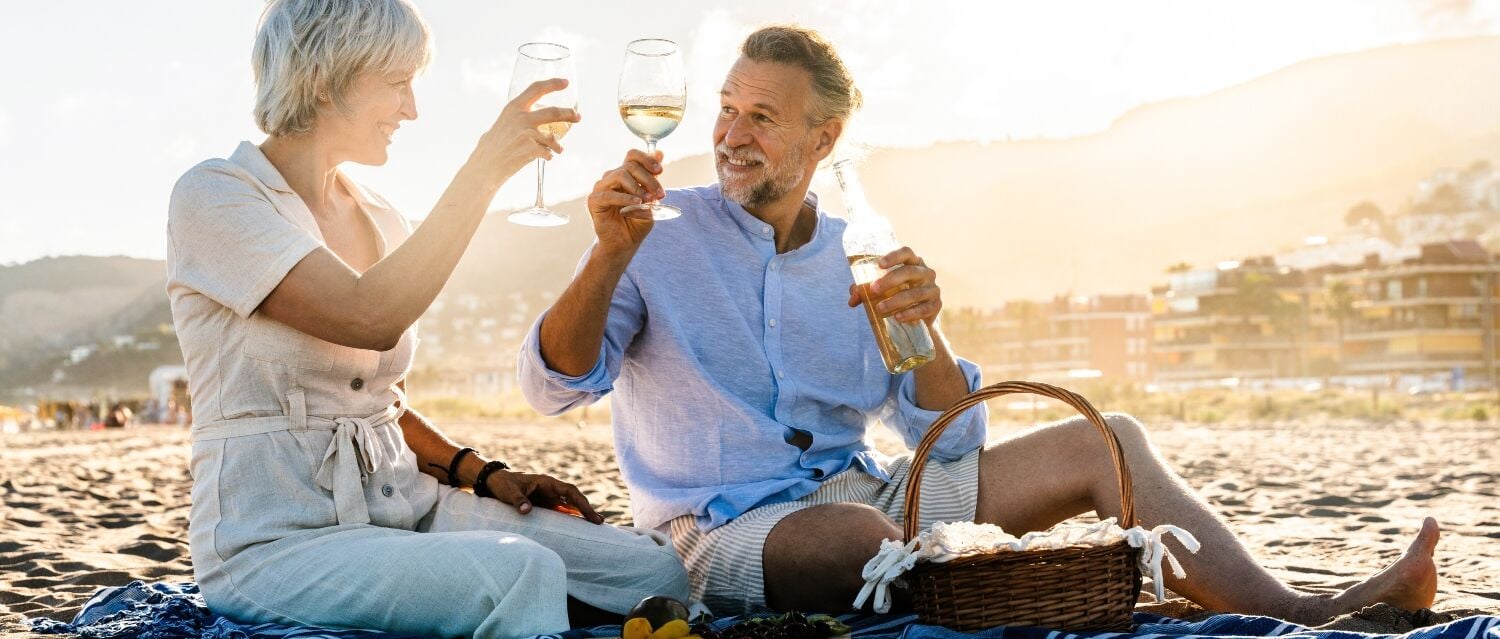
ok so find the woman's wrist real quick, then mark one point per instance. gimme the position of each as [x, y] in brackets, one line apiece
[481, 481]
[492, 164]
[468, 469]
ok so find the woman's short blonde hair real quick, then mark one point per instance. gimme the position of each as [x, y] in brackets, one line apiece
[307, 48]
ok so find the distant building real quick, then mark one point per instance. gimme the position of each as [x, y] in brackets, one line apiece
[1430, 314]
[1248, 319]
[1104, 336]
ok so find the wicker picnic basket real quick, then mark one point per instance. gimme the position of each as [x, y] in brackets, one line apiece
[1087, 588]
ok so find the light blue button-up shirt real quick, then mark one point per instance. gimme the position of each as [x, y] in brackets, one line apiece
[718, 350]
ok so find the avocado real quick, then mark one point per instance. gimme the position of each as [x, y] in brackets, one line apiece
[658, 610]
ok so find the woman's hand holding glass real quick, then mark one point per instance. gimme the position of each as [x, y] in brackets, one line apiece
[518, 136]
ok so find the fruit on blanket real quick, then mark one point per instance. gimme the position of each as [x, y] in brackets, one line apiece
[659, 611]
[792, 625]
[674, 629]
[637, 628]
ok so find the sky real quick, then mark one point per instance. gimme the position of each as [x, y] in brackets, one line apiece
[105, 104]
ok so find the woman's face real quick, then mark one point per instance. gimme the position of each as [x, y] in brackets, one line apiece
[378, 104]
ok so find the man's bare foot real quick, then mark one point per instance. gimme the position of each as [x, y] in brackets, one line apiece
[1409, 584]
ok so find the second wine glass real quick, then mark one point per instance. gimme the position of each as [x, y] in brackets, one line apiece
[653, 97]
[543, 61]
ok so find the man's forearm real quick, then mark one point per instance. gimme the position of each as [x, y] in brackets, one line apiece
[940, 383]
[572, 332]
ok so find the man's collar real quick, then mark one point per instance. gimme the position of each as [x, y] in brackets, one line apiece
[757, 227]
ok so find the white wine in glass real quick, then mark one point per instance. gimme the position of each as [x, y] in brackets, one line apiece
[653, 97]
[543, 61]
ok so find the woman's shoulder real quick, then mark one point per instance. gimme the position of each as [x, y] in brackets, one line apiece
[210, 179]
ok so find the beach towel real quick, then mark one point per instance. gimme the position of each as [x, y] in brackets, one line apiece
[176, 611]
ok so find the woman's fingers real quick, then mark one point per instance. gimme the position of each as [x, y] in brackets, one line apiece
[511, 490]
[547, 145]
[548, 115]
[576, 499]
[535, 92]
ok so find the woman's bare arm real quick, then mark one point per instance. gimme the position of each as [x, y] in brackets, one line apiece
[325, 298]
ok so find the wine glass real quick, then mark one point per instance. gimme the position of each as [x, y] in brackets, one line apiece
[653, 96]
[542, 61]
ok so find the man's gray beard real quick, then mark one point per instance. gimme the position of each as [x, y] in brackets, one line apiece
[782, 179]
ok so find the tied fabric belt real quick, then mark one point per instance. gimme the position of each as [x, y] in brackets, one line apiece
[353, 453]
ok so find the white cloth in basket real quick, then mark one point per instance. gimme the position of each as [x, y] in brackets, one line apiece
[948, 541]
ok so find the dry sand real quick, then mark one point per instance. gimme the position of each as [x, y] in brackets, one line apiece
[1322, 504]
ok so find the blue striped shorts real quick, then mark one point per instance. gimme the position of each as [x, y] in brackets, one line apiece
[724, 564]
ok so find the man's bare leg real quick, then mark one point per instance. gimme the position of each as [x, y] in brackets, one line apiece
[1037, 479]
[813, 557]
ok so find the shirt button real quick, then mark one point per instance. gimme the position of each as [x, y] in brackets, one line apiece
[356, 383]
[387, 490]
[766, 230]
[780, 375]
[773, 323]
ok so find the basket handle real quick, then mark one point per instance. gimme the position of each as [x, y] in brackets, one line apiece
[924, 449]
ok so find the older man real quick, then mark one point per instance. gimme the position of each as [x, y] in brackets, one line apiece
[744, 377]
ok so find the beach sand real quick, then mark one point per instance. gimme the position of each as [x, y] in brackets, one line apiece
[1322, 504]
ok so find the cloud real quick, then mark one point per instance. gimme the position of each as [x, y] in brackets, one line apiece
[182, 148]
[1452, 17]
[486, 75]
[492, 74]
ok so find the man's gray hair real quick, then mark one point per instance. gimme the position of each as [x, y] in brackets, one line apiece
[834, 93]
[304, 48]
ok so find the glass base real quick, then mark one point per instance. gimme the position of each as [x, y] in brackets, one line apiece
[538, 216]
[658, 211]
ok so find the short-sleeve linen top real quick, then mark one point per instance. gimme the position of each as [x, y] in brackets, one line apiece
[235, 228]
[290, 433]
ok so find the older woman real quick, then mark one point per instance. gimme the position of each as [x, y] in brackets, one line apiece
[319, 496]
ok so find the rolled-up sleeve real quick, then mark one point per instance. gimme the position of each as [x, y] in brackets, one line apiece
[550, 392]
[227, 239]
[965, 434]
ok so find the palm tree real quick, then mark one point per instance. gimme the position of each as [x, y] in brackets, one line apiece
[1340, 310]
[1028, 317]
[1288, 319]
[1254, 295]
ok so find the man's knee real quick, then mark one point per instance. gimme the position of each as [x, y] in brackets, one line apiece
[1127, 428]
[841, 530]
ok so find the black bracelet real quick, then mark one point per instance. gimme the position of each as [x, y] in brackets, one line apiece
[480, 488]
[453, 466]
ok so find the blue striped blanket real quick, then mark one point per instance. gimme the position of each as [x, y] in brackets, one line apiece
[176, 611]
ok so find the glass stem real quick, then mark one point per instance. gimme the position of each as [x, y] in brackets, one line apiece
[541, 171]
[651, 153]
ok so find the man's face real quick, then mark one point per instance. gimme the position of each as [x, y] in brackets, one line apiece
[762, 141]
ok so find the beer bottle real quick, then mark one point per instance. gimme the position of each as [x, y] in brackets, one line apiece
[867, 238]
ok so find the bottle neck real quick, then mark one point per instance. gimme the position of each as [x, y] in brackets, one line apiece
[853, 191]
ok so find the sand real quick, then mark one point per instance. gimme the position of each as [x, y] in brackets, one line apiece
[1323, 504]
